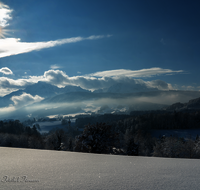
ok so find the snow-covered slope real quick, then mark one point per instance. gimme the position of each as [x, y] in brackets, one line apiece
[44, 169]
[129, 88]
[44, 89]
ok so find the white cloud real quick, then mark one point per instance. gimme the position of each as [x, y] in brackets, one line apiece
[8, 85]
[6, 71]
[5, 15]
[7, 110]
[13, 46]
[60, 79]
[55, 66]
[25, 99]
[189, 87]
[56, 77]
[5, 91]
[11, 83]
[91, 82]
[19, 102]
[134, 73]
[93, 37]
[161, 85]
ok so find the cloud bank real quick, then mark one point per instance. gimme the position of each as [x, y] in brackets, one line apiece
[106, 79]
[100, 80]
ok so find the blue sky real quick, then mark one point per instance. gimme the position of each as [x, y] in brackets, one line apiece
[72, 40]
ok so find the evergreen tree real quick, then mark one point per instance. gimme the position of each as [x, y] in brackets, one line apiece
[98, 138]
[132, 148]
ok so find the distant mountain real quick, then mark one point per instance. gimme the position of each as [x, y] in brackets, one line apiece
[6, 100]
[175, 106]
[73, 100]
[146, 106]
[70, 97]
[195, 103]
[46, 90]
[41, 89]
[192, 104]
[158, 97]
[125, 88]
[129, 88]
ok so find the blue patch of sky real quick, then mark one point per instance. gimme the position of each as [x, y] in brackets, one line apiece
[145, 34]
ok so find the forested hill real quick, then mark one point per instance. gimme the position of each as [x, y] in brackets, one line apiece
[192, 105]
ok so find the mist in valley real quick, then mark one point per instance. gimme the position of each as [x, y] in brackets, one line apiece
[26, 105]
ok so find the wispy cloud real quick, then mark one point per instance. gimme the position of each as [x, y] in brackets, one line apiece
[13, 46]
[189, 87]
[6, 71]
[134, 73]
[5, 15]
[55, 66]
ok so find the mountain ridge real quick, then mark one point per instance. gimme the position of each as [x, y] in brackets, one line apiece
[191, 104]
[41, 89]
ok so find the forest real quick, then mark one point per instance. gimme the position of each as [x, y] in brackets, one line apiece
[111, 134]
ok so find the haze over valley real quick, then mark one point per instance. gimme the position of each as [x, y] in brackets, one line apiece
[43, 99]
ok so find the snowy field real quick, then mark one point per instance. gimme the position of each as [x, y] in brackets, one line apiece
[43, 169]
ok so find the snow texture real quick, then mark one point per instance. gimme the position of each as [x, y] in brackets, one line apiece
[46, 169]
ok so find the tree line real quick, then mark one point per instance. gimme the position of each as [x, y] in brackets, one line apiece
[111, 134]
